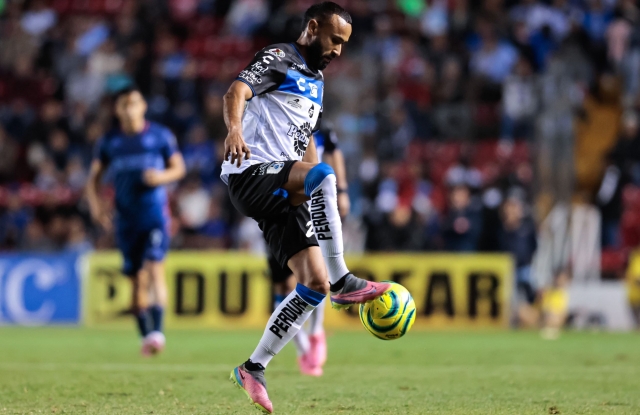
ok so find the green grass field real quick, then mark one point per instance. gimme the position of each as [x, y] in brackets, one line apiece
[81, 371]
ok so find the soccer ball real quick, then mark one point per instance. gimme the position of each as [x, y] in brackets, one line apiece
[391, 315]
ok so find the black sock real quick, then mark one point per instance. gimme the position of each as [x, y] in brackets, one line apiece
[142, 318]
[249, 365]
[339, 284]
[156, 315]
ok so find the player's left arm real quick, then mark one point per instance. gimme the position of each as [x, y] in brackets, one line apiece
[174, 171]
[175, 168]
[311, 154]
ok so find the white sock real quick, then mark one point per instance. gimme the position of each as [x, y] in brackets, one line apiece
[301, 341]
[320, 186]
[285, 322]
[316, 321]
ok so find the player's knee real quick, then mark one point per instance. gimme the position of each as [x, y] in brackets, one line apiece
[315, 176]
[319, 285]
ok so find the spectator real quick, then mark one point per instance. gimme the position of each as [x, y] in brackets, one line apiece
[38, 19]
[77, 240]
[519, 103]
[517, 236]
[9, 152]
[13, 222]
[494, 59]
[213, 233]
[199, 155]
[463, 223]
[35, 239]
[623, 166]
[194, 204]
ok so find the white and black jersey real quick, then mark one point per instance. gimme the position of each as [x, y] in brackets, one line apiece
[285, 108]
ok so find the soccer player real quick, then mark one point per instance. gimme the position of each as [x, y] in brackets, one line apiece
[271, 168]
[141, 157]
[311, 345]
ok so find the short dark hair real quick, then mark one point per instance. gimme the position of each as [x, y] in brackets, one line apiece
[124, 91]
[323, 11]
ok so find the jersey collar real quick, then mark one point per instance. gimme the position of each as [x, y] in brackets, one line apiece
[300, 55]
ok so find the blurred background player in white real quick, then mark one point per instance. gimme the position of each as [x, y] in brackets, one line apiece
[140, 158]
[310, 342]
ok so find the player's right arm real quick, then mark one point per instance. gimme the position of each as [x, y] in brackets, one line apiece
[99, 214]
[264, 73]
[234, 100]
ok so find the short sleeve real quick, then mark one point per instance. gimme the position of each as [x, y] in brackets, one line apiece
[100, 152]
[169, 145]
[266, 71]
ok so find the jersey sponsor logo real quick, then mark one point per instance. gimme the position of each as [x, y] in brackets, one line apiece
[298, 66]
[284, 155]
[300, 136]
[250, 77]
[288, 315]
[311, 111]
[319, 216]
[258, 69]
[278, 53]
[295, 103]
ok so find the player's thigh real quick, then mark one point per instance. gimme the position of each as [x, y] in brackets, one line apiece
[131, 244]
[309, 268]
[279, 275]
[295, 182]
[288, 234]
[258, 191]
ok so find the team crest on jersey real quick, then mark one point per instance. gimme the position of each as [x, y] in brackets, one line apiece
[278, 53]
[311, 111]
[300, 135]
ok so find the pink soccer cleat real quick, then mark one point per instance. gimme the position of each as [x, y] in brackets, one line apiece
[156, 341]
[307, 366]
[318, 349]
[145, 349]
[254, 386]
[358, 291]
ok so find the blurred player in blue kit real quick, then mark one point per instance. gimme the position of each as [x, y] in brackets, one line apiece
[310, 342]
[141, 157]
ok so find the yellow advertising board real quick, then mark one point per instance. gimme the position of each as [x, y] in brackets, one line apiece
[229, 290]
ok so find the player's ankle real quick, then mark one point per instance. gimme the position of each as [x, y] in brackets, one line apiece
[253, 366]
[337, 287]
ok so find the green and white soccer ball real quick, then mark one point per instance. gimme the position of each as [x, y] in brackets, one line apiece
[391, 315]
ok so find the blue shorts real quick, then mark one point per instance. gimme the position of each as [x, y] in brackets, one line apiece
[140, 244]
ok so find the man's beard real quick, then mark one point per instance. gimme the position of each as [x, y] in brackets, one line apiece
[314, 52]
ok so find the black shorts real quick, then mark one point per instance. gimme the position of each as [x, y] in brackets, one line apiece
[277, 272]
[257, 193]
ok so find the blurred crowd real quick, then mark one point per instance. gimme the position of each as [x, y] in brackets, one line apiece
[434, 103]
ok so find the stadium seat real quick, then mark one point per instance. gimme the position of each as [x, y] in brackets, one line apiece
[613, 263]
[631, 197]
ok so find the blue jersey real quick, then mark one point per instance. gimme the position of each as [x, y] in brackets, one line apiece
[127, 157]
